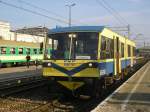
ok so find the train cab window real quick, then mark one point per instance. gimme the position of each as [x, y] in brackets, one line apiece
[28, 51]
[20, 50]
[3, 50]
[107, 48]
[122, 50]
[35, 51]
[12, 51]
[80, 45]
[129, 51]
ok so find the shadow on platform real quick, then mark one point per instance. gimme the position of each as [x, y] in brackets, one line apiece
[136, 98]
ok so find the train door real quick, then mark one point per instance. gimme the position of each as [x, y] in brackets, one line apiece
[117, 55]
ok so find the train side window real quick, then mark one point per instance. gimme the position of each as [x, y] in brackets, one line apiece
[112, 48]
[35, 51]
[3, 50]
[12, 51]
[129, 50]
[134, 51]
[103, 47]
[40, 51]
[28, 51]
[122, 50]
[20, 50]
[107, 48]
[108, 43]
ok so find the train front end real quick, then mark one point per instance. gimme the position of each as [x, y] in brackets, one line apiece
[73, 63]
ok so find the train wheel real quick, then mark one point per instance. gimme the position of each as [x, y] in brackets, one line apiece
[122, 74]
[98, 88]
[0, 65]
[8, 65]
[16, 64]
[125, 71]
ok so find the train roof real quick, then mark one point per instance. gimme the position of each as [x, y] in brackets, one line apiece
[18, 43]
[82, 29]
[76, 29]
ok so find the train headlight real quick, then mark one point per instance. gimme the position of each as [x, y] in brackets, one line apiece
[90, 64]
[49, 64]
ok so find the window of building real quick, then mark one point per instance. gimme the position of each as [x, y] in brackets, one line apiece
[107, 48]
[122, 50]
[129, 51]
[20, 50]
[12, 51]
[3, 50]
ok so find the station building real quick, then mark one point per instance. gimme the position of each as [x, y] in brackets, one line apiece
[20, 35]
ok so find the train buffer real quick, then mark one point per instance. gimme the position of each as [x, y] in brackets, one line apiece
[131, 96]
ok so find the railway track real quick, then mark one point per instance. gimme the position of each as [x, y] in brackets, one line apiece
[78, 105]
[12, 89]
[36, 98]
[10, 86]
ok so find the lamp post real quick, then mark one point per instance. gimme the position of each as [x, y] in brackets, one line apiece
[70, 6]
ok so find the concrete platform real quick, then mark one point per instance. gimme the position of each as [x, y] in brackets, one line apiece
[132, 96]
[14, 72]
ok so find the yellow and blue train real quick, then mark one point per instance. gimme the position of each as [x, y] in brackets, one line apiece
[86, 58]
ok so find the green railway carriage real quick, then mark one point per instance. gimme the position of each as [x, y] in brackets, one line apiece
[87, 56]
[15, 52]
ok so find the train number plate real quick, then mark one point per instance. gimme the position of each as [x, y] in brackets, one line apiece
[69, 64]
[102, 72]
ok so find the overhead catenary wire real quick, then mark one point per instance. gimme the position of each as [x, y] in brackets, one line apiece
[110, 11]
[45, 10]
[115, 13]
[42, 9]
[33, 12]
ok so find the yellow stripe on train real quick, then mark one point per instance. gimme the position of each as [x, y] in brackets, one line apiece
[53, 72]
[88, 72]
[71, 85]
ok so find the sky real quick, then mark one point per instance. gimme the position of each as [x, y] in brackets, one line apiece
[85, 12]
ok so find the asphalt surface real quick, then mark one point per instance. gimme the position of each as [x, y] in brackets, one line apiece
[132, 96]
[7, 73]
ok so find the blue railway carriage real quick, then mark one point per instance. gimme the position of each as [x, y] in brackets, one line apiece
[14, 52]
[88, 57]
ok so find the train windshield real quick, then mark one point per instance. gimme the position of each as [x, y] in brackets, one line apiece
[81, 45]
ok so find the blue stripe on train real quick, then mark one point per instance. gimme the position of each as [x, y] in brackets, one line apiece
[125, 63]
[107, 66]
[128, 62]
